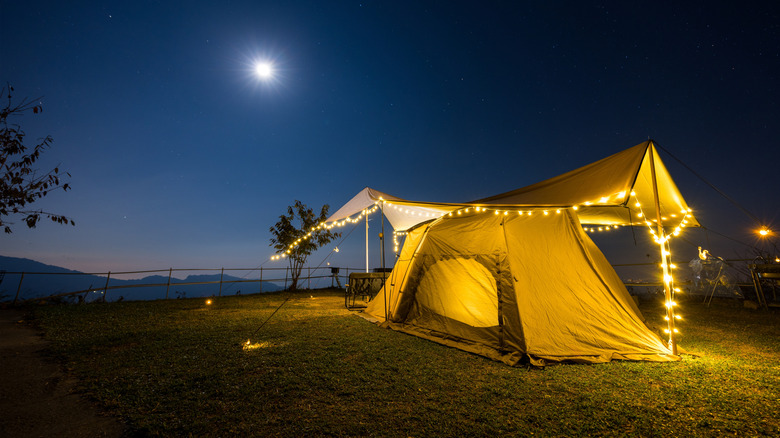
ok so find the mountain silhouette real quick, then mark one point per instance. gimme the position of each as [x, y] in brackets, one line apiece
[38, 281]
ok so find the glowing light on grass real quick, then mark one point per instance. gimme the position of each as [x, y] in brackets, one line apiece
[250, 346]
[208, 302]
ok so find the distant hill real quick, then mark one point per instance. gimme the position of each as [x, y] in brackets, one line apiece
[66, 280]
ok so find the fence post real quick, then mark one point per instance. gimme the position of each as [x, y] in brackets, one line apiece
[220, 280]
[308, 284]
[105, 289]
[261, 279]
[285, 277]
[19, 288]
[168, 287]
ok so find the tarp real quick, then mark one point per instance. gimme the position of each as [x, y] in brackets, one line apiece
[616, 190]
[506, 286]
[401, 213]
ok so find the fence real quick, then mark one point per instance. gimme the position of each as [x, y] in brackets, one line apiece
[266, 276]
[271, 278]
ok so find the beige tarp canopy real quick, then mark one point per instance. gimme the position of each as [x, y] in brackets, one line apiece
[401, 213]
[514, 275]
[607, 192]
[617, 190]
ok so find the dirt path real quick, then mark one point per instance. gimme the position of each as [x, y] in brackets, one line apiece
[36, 396]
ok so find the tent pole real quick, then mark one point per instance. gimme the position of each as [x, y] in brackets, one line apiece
[382, 236]
[366, 239]
[665, 258]
[382, 239]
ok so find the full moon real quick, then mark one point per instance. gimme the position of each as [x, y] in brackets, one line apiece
[264, 70]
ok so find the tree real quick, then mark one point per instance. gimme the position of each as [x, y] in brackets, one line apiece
[21, 184]
[298, 234]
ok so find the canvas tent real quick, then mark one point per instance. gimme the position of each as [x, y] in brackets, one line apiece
[515, 275]
[508, 285]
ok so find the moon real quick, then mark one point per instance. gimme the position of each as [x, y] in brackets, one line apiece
[264, 70]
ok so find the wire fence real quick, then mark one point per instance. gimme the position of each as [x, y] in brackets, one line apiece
[724, 279]
[160, 283]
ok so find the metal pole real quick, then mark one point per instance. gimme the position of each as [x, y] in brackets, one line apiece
[308, 284]
[665, 258]
[167, 288]
[366, 212]
[261, 279]
[382, 235]
[382, 239]
[221, 276]
[19, 288]
[105, 289]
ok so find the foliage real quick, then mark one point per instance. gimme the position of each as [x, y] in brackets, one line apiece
[297, 235]
[20, 183]
[177, 368]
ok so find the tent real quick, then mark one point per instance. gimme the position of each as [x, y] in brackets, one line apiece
[505, 286]
[514, 275]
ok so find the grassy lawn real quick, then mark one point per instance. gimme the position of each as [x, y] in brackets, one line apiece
[178, 368]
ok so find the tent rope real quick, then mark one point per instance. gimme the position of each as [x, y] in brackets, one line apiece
[744, 210]
[289, 294]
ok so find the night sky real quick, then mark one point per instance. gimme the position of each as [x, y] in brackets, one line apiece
[181, 156]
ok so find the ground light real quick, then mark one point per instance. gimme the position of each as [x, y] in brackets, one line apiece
[248, 345]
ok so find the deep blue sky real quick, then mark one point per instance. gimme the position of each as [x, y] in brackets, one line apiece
[181, 157]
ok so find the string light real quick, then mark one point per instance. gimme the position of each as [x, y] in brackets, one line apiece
[667, 265]
[661, 240]
[327, 226]
[396, 244]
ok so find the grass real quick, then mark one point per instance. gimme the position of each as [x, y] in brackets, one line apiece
[177, 368]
